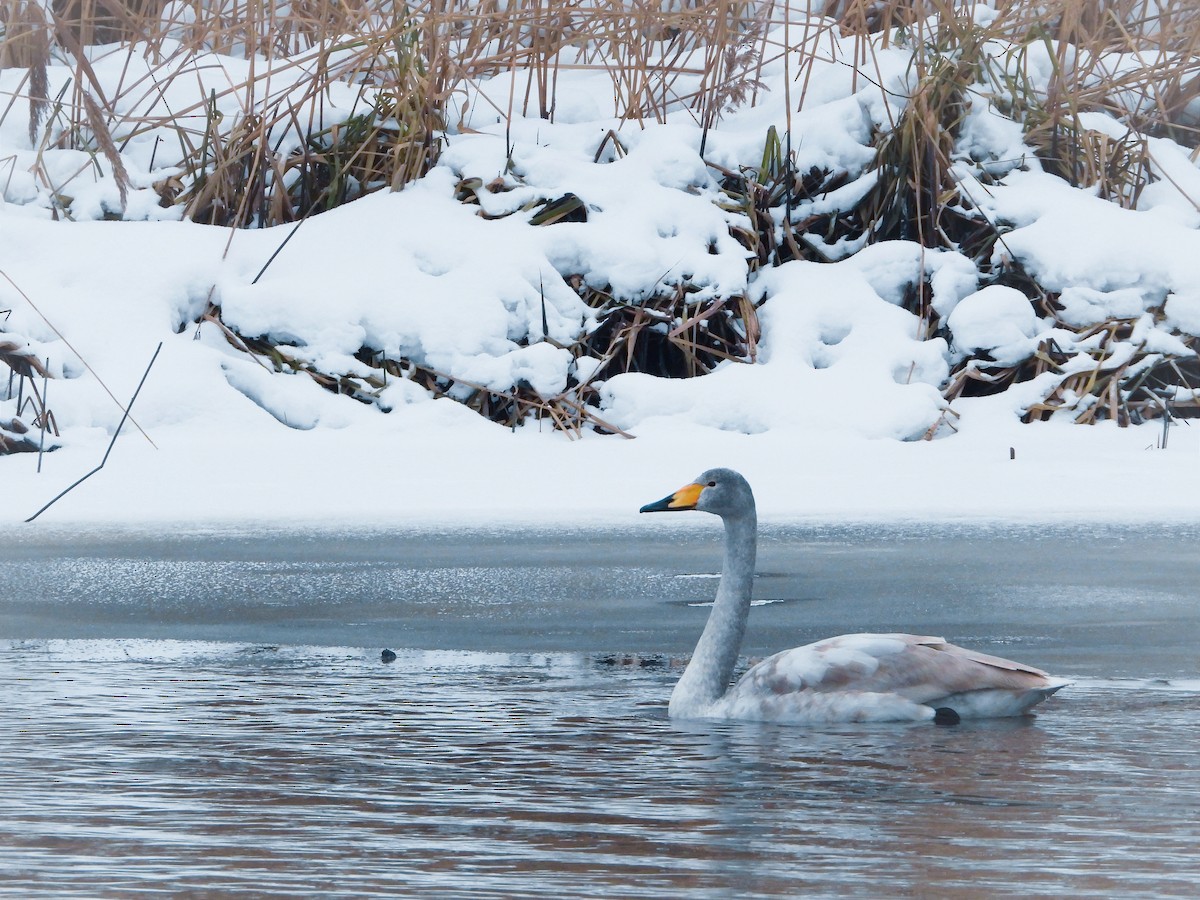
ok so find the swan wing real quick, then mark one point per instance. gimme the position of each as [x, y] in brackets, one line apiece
[861, 677]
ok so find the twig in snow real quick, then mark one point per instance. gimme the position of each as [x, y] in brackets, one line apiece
[45, 414]
[278, 250]
[116, 434]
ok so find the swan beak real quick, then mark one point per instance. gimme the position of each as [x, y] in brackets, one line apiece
[684, 498]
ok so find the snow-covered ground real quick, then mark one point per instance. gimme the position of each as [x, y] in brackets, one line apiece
[826, 424]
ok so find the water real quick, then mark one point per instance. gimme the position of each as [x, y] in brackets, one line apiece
[171, 726]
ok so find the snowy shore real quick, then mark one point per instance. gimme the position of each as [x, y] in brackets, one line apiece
[389, 474]
[826, 422]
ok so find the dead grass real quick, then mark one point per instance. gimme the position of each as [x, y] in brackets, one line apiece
[412, 64]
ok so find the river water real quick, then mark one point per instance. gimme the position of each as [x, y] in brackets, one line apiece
[207, 712]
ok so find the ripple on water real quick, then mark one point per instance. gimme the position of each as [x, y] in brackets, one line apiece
[129, 766]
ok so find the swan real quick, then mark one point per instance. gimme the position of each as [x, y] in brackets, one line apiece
[851, 678]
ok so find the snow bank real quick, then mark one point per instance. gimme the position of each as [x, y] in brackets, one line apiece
[827, 422]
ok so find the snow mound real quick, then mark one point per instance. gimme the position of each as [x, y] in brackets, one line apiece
[997, 319]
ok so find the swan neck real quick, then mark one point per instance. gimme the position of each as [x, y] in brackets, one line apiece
[706, 678]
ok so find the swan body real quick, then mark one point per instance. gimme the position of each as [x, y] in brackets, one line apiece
[852, 678]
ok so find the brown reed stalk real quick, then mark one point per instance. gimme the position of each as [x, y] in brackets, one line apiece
[26, 44]
[104, 140]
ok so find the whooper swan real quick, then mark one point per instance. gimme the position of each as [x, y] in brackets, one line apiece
[852, 678]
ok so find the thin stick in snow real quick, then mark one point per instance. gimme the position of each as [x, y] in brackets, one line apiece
[45, 413]
[116, 433]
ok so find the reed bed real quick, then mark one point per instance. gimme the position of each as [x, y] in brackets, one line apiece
[261, 149]
[274, 159]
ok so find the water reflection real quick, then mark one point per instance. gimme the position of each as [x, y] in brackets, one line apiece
[130, 766]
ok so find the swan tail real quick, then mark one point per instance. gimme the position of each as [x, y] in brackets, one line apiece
[999, 702]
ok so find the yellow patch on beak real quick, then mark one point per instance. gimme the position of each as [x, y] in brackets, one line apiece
[686, 497]
[683, 499]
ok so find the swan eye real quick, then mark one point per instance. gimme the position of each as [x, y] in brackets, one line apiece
[712, 484]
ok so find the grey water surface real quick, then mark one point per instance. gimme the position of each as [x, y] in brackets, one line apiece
[205, 712]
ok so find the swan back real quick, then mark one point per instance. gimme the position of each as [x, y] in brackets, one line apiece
[878, 677]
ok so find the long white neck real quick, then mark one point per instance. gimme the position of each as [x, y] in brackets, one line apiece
[707, 676]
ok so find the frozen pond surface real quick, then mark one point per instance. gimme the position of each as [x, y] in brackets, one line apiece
[208, 712]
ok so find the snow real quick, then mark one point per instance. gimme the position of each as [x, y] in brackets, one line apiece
[998, 319]
[1084, 306]
[827, 423]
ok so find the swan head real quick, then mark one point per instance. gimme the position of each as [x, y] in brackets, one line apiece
[722, 492]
